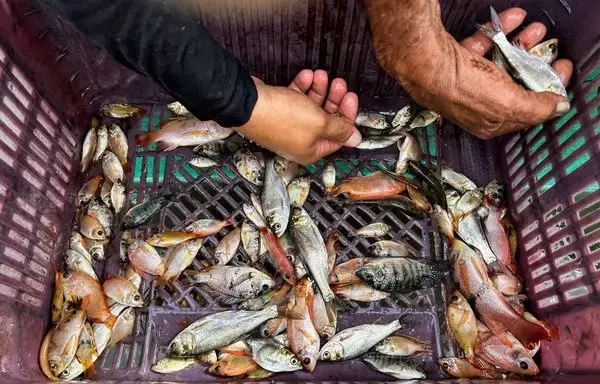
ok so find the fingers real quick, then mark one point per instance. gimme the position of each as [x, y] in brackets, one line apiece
[533, 108]
[564, 68]
[302, 81]
[480, 44]
[349, 106]
[531, 35]
[318, 91]
[342, 131]
[336, 93]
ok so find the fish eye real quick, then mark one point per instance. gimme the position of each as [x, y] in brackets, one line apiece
[524, 365]
[66, 372]
[306, 361]
[100, 233]
[52, 366]
[369, 277]
[217, 368]
[454, 298]
[552, 47]
[445, 365]
[265, 287]
[294, 361]
[277, 226]
[287, 276]
[326, 354]
[136, 297]
[266, 333]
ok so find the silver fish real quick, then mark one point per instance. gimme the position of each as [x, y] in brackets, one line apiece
[547, 50]
[531, 71]
[378, 142]
[273, 356]
[328, 177]
[273, 327]
[275, 200]
[398, 367]
[117, 197]
[404, 116]
[250, 239]
[452, 197]
[311, 247]
[123, 326]
[177, 108]
[173, 364]
[371, 120]
[256, 203]
[286, 169]
[218, 330]
[88, 190]
[103, 214]
[253, 215]
[372, 230]
[231, 285]
[298, 190]
[75, 261]
[386, 248]
[112, 168]
[324, 316]
[202, 162]
[101, 338]
[96, 248]
[401, 274]
[457, 180]
[471, 231]
[248, 166]
[409, 149]
[105, 193]
[179, 258]
[89, 145]
[287, 243]
[117, 143]
[227, 246]
[101, 142]
[355, 341]
[77, 244]
[424, 118]
[467, 203]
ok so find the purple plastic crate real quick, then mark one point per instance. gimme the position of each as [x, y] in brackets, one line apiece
[52, 80]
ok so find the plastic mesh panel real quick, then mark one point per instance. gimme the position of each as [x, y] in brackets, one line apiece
[553, 173]
[38, 160]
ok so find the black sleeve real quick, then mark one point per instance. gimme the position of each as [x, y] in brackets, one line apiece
[165, 41]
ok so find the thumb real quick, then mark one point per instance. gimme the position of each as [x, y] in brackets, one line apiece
[536, 107]
[342, 131]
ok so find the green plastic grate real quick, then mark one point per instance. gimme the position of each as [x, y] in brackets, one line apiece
[587, 191]
[572, 148]
[565, 119]
[581, 160]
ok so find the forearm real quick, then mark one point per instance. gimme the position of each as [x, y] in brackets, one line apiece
[165, 41]
[407, 35]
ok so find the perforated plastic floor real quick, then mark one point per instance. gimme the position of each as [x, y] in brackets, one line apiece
[218, 192]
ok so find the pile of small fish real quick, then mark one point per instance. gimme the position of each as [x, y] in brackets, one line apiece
[89, 316]
[285, 289]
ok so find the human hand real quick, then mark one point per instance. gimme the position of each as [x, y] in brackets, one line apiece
[454, 79]
[301, 122]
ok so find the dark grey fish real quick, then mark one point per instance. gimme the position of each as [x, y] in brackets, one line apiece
[141, 213]
[401, 274]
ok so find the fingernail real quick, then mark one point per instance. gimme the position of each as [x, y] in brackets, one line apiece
[562, 108]
[354, 140]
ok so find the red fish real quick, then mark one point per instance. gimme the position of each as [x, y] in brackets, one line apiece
[375, 186]
[283, 264]
[470, 274]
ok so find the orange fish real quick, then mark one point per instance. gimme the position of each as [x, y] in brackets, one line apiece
[507, 284]
[375, 186]
[232, 366]
[79, 285]
[512, 358]
[345, 273]
[470, 274]
[462, 369]
[304, 339]
[282, 261]
[359, 292]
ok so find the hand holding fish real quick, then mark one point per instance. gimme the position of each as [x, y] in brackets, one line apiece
[454, 79]
[291, 122]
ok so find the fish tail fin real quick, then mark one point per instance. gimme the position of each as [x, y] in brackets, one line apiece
[232, 221]
[488, 31]
[89, 369]
[145, 139]
[496, 24]
[427, 348]
[111, 321]
[332, 191]
[161, 282]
